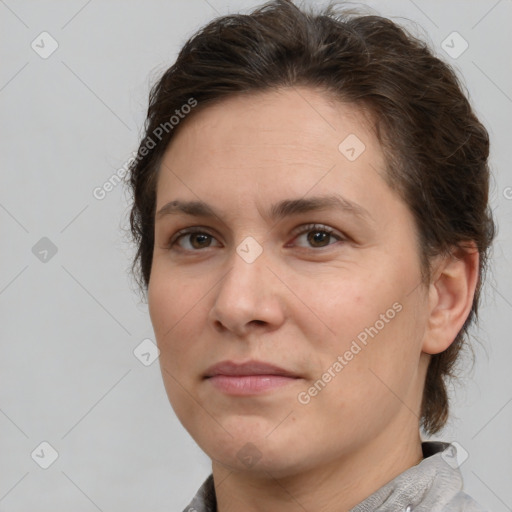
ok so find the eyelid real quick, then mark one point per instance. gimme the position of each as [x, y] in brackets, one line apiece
[305, 228]
[312, 226]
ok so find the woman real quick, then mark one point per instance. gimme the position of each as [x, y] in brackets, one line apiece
[312, 224]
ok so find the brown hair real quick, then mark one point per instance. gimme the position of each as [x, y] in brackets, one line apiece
[435, 146]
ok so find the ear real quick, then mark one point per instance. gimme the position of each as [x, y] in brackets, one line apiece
[451, 293]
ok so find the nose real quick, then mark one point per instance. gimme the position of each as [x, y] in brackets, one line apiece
[248, 298]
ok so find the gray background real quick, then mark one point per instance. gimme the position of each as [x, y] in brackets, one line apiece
[71, 321]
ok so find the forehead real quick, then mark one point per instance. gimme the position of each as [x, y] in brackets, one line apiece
[298, 119]
[288, 138]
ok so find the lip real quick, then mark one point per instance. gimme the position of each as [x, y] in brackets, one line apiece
[248, 368]
[248, 378]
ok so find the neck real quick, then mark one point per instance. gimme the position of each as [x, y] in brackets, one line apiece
[334, 487]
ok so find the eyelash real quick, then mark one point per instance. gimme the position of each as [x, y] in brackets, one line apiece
[300, 231]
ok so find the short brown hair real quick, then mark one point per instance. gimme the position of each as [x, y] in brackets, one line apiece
[436, 148]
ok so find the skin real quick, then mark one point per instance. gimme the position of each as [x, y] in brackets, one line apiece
[299, 305]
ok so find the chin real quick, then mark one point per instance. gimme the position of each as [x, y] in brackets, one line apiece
[254, 451]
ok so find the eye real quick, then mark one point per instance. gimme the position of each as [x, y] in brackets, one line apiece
[314, 236]
[318, 236]
[192, 239]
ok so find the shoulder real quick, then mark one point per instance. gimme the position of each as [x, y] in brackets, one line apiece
[462, 502]
[204, 500]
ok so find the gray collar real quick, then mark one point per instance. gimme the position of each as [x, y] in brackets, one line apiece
[428, 486]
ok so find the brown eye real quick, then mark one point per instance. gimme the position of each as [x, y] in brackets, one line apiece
[317, 236]
[192, 240]
[199, 240]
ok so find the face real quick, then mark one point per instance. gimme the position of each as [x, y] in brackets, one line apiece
[302, 258]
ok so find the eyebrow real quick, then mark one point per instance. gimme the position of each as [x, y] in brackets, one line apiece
[285, 208]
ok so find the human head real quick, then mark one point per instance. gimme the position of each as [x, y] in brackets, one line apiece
[436, 149]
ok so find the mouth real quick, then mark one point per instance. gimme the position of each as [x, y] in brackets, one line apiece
[249, 378]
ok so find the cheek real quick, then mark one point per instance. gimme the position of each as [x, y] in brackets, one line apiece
[372, 323]
[170, 296]
[173, 315]
[162, 306]
[340, 306]
[173, 310]
[371, 377]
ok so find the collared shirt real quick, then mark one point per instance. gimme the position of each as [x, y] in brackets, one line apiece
[433, 485]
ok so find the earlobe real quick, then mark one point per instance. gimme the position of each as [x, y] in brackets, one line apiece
[451, 295]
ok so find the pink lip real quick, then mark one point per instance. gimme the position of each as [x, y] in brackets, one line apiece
[248, 378]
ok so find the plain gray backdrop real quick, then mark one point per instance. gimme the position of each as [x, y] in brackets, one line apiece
[74, 82]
